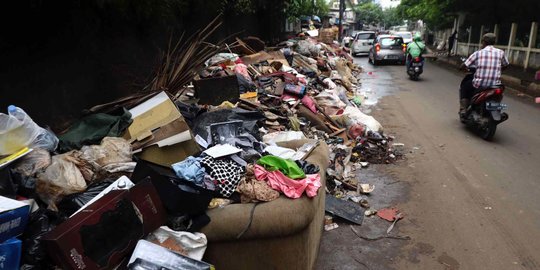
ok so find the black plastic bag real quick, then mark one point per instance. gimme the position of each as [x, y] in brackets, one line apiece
[7, 186]
[33, 254]
[71, 203]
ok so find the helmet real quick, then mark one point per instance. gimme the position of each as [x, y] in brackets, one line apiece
[417, 37]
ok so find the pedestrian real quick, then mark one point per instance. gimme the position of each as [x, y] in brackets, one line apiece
[451, 40]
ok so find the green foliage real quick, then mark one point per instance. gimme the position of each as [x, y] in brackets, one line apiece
[391, 17]
[436, 13]
[298, 8]
[369, 12]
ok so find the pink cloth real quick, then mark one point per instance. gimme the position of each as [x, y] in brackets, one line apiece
[309, 103]
[242, 70]
[291, 188]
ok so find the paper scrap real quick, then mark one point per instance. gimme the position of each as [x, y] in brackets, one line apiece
[222, 150]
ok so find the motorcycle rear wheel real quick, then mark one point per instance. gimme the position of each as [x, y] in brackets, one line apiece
[488, 131]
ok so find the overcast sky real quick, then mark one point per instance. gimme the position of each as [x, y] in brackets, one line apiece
[388, 3]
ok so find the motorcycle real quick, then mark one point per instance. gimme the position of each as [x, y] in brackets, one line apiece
[416, 67]
[485, 111]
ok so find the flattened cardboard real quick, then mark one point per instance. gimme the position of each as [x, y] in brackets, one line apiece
[150, 115]
[161, 135]
[168, 155]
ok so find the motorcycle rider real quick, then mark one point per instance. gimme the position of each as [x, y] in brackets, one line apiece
[414, 49]
[489, 62]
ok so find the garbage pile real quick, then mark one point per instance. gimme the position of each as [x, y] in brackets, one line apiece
[152, 164]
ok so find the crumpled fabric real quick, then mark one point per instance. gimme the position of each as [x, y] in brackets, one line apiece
[190, 169]
[241, 69]
[291, 188]
[92, 128]
[226, 172]
[309, 103]
[307, 167]
[252, 190]
[286, 166]
[330, 102]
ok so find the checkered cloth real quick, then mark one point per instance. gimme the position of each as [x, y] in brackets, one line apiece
[488, 62]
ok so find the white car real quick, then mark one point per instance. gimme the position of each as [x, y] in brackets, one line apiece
[407, 36]
[362, 42]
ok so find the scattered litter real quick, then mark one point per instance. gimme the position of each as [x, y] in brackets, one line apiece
[329, 227]
[370, 212]
[366, 188]
[388, 214]
[396, 219]
[344, 209]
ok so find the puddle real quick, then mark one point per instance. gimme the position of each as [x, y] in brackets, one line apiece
[375, 83]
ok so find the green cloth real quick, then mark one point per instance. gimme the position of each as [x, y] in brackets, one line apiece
[416, 48]
[93, 128]
[288, 167]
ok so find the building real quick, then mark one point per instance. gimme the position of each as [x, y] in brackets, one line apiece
[349, 16]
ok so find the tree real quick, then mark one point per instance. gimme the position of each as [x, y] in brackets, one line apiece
[369, 12]
[433, 12]
[298, 8]
[391, 17]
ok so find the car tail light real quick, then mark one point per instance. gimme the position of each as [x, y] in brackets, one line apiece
[404, 47]
[377, 47]
[498, 91]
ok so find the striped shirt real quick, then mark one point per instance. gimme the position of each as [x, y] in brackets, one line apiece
[488, 62]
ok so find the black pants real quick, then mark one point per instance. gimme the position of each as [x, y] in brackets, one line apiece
[466, 89]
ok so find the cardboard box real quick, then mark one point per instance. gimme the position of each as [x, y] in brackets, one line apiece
[101, 235]
[10, 254]
[168, 155]
[150, 115]
[159, 133]
[13, 218]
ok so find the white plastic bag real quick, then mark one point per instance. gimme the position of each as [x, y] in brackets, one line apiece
[359, 117]
[18, 130]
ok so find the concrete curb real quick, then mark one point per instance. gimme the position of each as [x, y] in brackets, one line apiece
[522, 86]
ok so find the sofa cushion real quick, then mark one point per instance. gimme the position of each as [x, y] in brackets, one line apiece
[280, 217]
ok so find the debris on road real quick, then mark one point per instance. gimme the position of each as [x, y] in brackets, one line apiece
[218, 125]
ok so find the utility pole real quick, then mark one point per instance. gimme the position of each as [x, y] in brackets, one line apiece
[341, 10]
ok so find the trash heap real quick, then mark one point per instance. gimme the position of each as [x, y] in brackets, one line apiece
[153, 163]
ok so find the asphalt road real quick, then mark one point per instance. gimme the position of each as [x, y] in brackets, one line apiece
[471, 204]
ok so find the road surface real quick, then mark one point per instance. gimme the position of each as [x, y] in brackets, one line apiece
[472, 204]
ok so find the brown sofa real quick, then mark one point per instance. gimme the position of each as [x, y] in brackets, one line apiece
[284, 233]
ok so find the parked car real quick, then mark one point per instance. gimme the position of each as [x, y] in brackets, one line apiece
[407, 36]
[362, 42]
[387, 48]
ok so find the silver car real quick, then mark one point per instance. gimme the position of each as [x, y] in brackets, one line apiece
[387, 48]
[362, 42]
